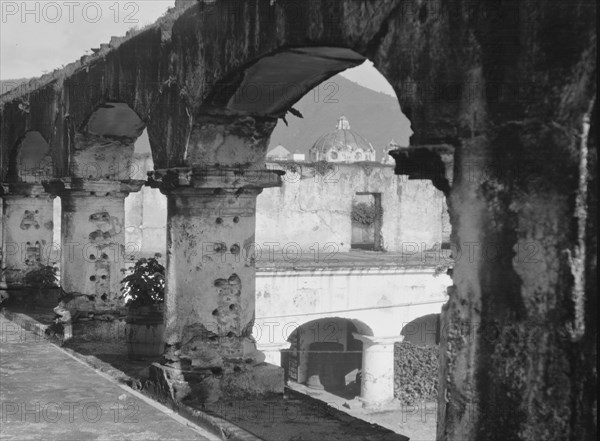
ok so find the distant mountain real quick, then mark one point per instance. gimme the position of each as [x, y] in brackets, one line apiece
[6, 85]
[374, 115]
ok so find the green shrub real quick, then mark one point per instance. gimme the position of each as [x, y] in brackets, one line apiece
[44, 276]
[145, 285]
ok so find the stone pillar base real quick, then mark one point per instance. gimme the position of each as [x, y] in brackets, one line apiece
[205, 386]
[368, 404]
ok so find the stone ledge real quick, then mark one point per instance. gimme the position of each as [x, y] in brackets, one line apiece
[261, 381]
[26, 322]
[218, 426]
[305, 412]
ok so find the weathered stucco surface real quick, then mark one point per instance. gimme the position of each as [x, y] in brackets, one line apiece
[509, 85]
[313, 206]
[27, 230]
[93, 240]
[384, 299]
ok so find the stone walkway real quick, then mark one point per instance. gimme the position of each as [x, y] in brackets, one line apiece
[417, 422]
[45, 394]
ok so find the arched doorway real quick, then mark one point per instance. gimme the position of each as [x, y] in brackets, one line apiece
[422, 331]
[324, 355]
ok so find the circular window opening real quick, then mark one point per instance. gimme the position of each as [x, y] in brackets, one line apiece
[333, 155]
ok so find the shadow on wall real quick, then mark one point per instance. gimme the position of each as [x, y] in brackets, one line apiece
[422, 331]
[324, 355]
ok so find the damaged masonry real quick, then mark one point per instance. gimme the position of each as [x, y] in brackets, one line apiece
[505, 87]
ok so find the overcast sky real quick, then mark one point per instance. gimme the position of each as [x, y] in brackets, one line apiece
[39, 36]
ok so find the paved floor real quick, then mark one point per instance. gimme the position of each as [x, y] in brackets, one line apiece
[47, 395]
[417, 422]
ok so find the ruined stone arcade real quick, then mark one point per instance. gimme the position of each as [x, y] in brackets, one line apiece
[501, 97]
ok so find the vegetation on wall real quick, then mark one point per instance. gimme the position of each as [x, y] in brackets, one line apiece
[415, 373]
[145, 284]
[365, 214]
[44, 276]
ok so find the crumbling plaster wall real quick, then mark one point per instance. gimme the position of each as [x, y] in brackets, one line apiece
[508, 84]
[313, 208]
[385, 299]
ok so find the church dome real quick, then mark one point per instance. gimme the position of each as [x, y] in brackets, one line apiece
[342, 145]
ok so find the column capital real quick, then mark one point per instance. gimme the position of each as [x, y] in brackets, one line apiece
[207, 179]
[86, 187]
[24, 189]
[274, 346]
[378, 340]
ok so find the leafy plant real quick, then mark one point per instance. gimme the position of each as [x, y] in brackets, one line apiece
[145, 285]
[365, 214]
[44, 276]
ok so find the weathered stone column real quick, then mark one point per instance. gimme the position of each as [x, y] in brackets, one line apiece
[93, 239]
[377, 386]
[210, 284]
[26, 230]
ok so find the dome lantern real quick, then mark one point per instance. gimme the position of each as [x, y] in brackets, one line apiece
[343, 123]
[342, 145]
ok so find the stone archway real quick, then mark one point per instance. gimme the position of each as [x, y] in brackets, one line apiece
[508, 85]
[324, 355]
[27, 212]
[92, 194]
[422, 331]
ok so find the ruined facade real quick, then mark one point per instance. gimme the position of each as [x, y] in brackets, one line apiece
[501, 97]
[311, 213]
[307, 269]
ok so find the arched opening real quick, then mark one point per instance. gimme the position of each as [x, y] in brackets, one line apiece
[31, 160]
[340, 191]
[426, 52]
[356, 106]
[321, 189]
[422, 331]
[27, 219]
[145, 210]
[103, 146]
[91, 195]
[324, 355]
[314, 205]
[316, 209]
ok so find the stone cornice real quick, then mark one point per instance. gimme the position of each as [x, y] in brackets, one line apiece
[8, 189]
[214, 178]
[92, 187]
